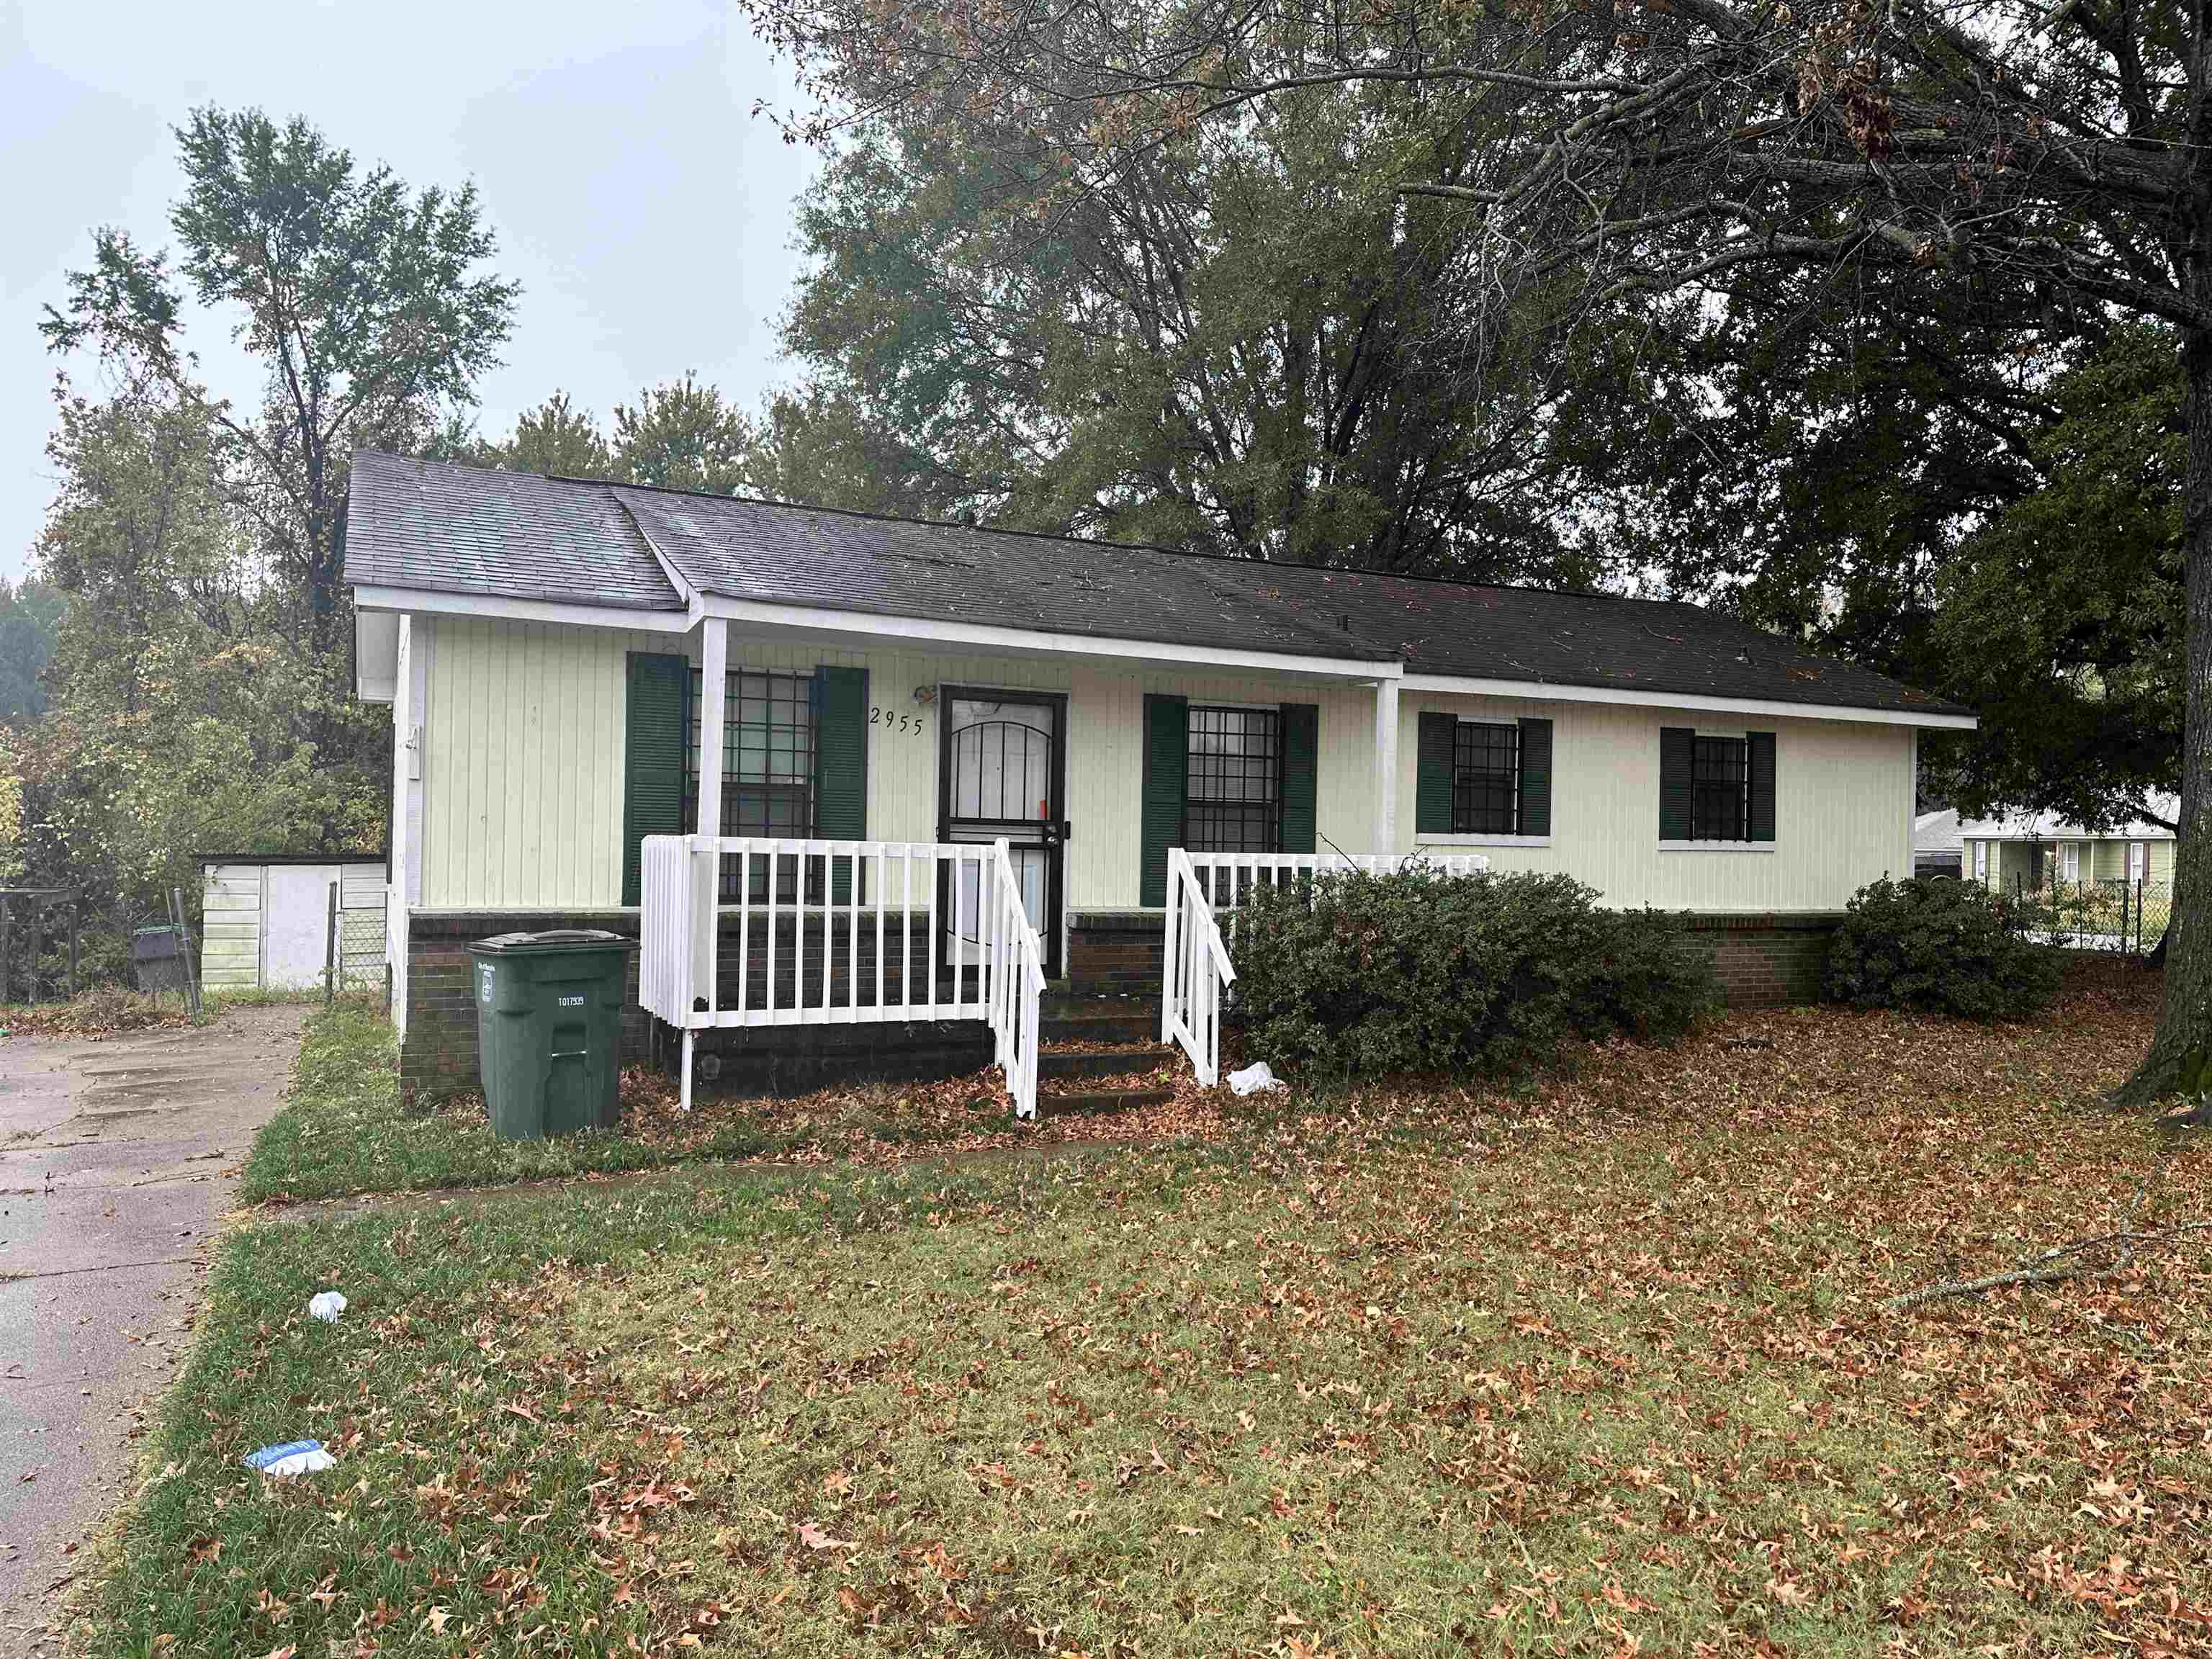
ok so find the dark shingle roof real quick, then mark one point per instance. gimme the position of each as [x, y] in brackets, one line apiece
[459, 529]
[1597, 640]
[512, 535]
[787, 555]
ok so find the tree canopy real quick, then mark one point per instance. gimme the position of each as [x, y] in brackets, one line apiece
[190, 568]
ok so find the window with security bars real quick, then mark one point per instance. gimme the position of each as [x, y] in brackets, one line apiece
[768, 771]
[1720, 789]
[1233, 797]
[1486, 779]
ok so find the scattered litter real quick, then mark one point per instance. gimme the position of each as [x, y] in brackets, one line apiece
[327, 1306]
[293, 1457]
[1254, 1079]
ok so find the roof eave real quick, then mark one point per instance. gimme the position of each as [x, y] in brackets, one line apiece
[1945, 717]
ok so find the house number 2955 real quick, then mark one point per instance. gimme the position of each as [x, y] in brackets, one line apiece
[891, 721]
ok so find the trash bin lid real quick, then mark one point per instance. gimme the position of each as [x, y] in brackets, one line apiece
[553, 938]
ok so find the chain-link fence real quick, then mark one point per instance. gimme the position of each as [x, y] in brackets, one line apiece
[2126, 917]
[355, 958]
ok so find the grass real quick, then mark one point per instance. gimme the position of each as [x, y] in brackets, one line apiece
[345, 1130]
[1601, 1367]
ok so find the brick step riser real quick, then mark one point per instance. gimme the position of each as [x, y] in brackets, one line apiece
[1100, 1063]
[1130, 1032]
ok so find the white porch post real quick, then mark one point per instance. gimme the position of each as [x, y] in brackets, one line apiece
[705, 885]
[714, 670]
[1386, 767]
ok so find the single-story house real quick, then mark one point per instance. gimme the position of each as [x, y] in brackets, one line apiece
[1935, 848]
[2034, 849]
[578, 670]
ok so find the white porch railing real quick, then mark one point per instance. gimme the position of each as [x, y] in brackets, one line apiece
[1196, 972]
[842, 933]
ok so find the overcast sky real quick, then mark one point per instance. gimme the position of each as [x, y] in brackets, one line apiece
[644, 210]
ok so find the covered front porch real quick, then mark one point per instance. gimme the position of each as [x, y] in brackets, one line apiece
[971, 924]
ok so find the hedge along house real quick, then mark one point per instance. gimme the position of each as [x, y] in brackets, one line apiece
[628, 707]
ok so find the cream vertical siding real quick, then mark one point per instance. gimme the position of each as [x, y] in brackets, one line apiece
[522, 740]
[1843, 807]
[230, 926]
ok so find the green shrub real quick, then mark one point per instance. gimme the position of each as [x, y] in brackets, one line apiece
[1416, 970]
[1943, 946]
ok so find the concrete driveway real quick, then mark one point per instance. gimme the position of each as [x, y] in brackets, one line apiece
[116, 1159]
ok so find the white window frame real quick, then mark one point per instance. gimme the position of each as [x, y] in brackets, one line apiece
[2069, 860]
[2138, 861]
[1981, 861]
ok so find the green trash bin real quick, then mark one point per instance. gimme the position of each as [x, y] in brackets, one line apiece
[549, 1029]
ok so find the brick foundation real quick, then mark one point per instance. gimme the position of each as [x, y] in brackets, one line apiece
[438, 1058]
[1116, 952]
[1764, 959]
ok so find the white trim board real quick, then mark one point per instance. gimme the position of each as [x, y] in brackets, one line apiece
[370, 595]
[845, 627]
[1441, 839]
[1547, 691]
[913, 631]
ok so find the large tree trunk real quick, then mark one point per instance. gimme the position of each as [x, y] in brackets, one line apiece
[2184, 1025]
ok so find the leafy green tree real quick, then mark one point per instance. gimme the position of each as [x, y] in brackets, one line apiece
[2063, 618]
[555, 438]
[364, 302]
[682, 435]
[1245, 343]
[190, 710]
[30, 612]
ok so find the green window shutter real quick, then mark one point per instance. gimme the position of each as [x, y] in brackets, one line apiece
[656, 731]
[1759, 753]
[841, 765]
[1432, 776]
[1536, 777]
[1167, 770]
[1301, 763]
[1678, 746]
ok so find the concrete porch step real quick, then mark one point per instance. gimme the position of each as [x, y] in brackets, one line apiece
[1102, 1062]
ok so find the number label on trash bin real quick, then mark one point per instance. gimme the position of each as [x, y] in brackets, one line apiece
[572, 1002]
[483, 983]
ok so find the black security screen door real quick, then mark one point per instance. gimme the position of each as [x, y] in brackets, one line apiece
[1001, 775]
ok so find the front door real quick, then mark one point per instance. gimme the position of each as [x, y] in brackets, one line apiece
[1002, 766]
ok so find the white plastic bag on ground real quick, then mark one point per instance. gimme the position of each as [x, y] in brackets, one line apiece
[327, 1306]
[1253, 1079]
[293, 1457]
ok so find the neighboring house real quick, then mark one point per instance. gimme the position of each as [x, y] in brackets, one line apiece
[553, 651]
[1935, 846]
[2034, 849]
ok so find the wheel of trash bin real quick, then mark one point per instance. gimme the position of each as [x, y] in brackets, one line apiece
[710, 1068]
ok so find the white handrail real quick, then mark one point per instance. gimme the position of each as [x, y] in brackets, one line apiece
[827, 935]
[1196, 969]
[1020, 985]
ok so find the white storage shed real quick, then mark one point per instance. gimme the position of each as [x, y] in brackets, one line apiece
[266, 920]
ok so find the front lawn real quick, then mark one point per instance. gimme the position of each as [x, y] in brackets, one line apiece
[344, 1129]
[1602, 1368]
